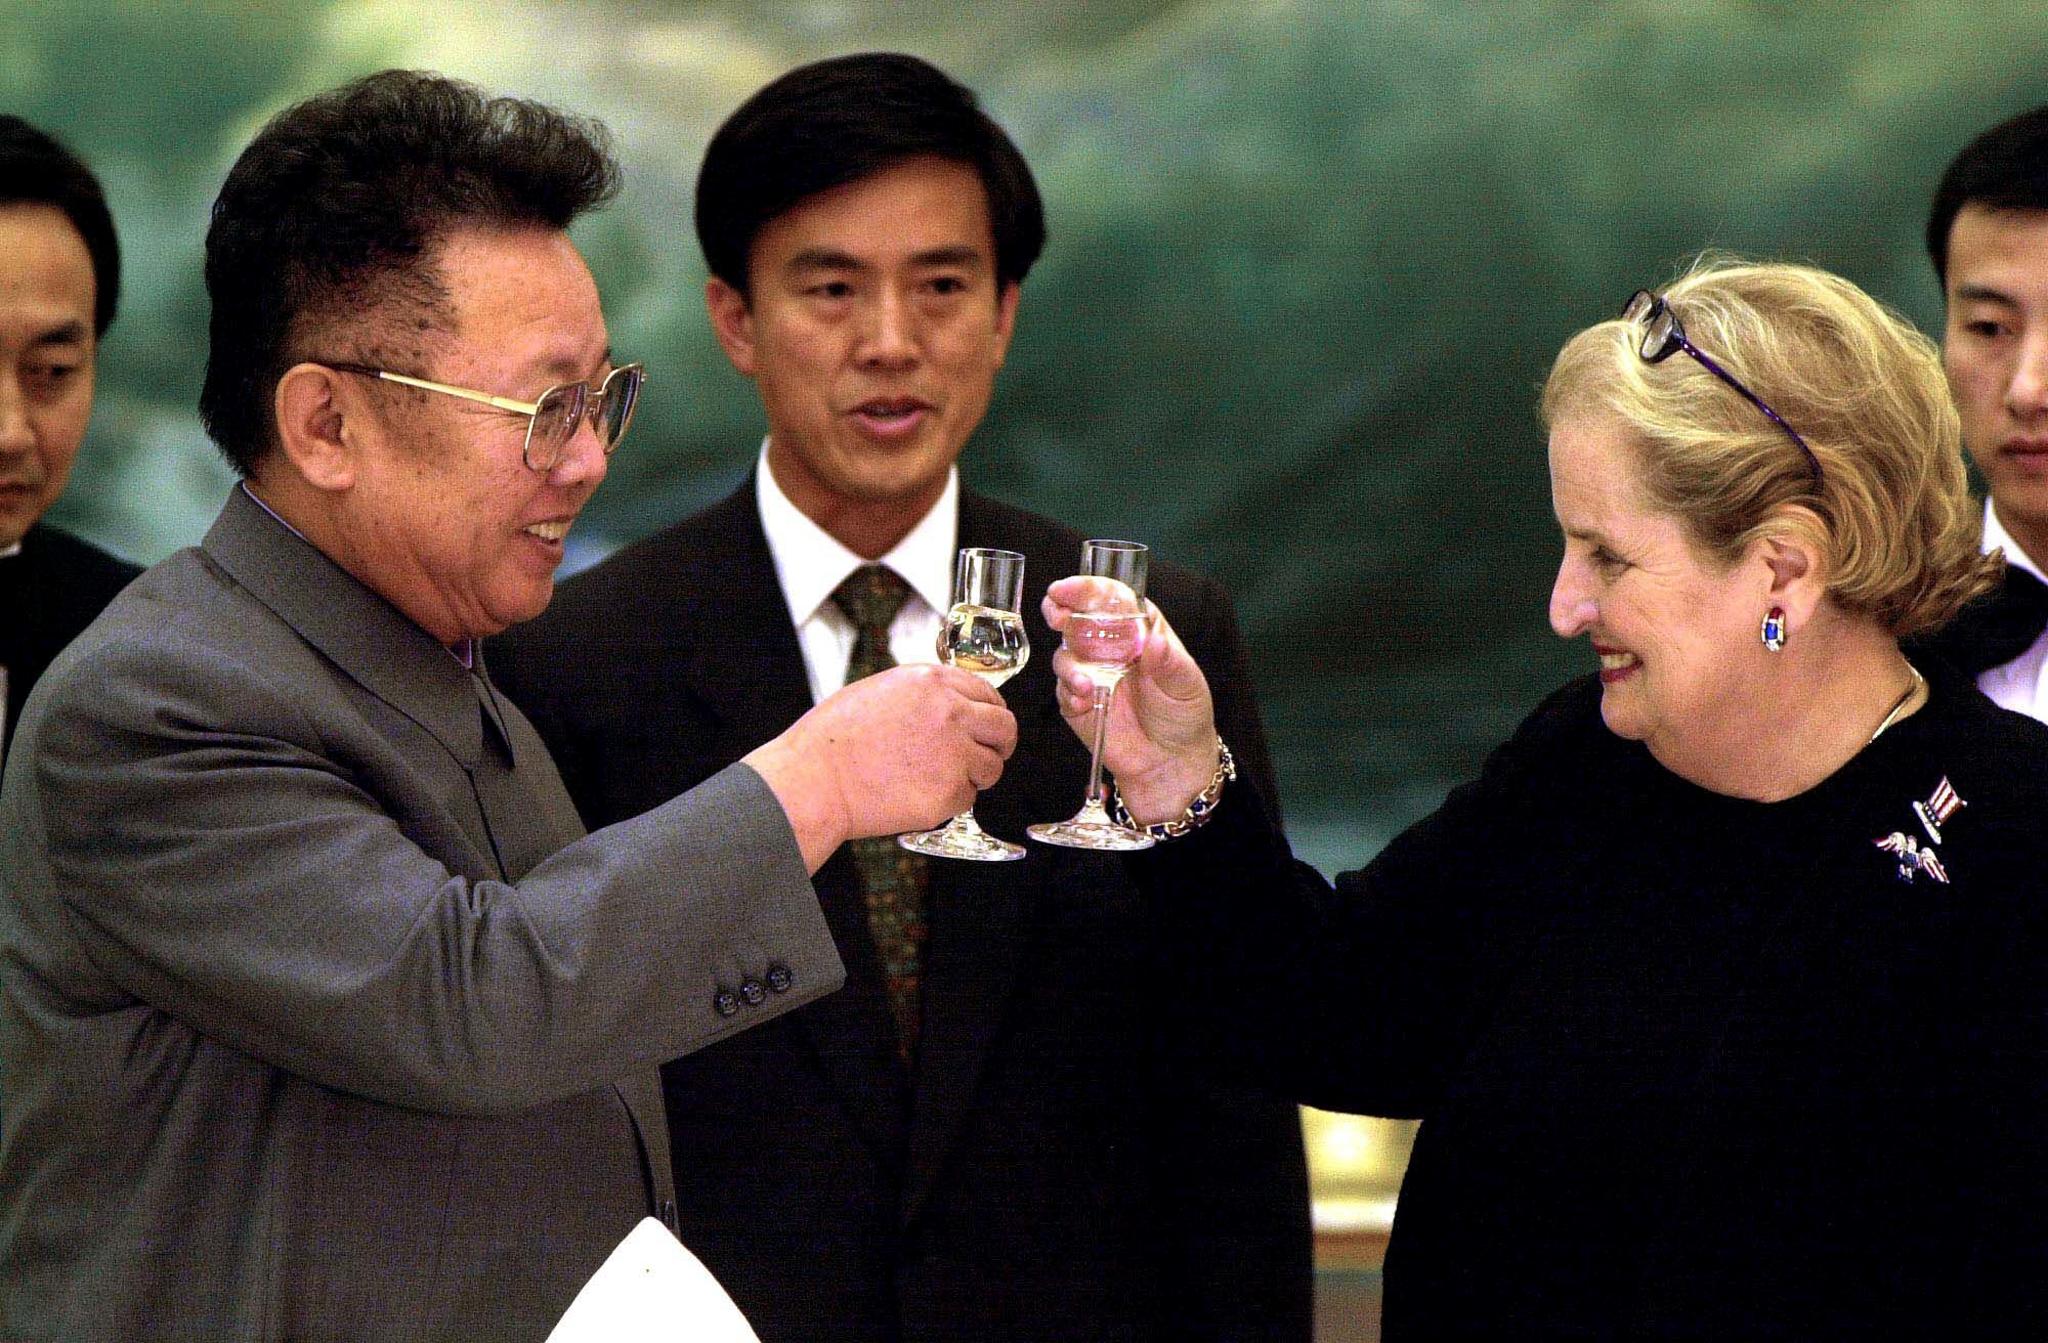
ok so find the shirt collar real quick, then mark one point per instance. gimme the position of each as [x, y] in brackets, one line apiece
[1997, 537]
[11, 551]
[275, 516]
[810, 562]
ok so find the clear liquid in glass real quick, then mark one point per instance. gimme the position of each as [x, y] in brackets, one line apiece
[987, 642]
[1105, 643]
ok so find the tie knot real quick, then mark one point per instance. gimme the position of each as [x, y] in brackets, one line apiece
[871, 596]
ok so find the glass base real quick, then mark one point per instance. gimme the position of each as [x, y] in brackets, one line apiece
[1083, 833]
[967, 841]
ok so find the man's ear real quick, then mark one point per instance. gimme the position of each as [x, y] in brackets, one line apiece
[732, 321]
[1006, 319]
[313, 425]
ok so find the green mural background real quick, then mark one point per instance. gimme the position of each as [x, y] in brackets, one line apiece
[1308, 263]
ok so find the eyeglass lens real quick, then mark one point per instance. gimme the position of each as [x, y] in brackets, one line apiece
[554, 421]
[562, 408]
[1660, 332]
[615, 402]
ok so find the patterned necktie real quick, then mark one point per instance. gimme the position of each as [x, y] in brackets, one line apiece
[892, 878]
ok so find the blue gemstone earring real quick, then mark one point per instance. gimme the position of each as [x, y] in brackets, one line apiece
[1774, 629]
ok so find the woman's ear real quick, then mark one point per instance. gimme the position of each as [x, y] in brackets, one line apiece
[1791, 553]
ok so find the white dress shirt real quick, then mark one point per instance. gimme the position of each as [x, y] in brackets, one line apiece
[810, 563]
[2021, 684]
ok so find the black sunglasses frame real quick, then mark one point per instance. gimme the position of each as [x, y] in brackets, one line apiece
[1664, 336]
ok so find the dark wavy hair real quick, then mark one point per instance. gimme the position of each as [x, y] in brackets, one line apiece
[833, 122]
[2005, 168]
[333, 211]
[36, 170]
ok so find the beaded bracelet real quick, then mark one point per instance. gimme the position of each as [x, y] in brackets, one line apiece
[1199, 810]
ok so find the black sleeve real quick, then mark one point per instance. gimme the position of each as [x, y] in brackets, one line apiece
[1359, 997]
[1214, 642]
[1236, 1251]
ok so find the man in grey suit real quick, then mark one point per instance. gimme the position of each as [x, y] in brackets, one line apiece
[320, 1016]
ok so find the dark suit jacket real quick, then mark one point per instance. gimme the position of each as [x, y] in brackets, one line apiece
[320, 1017]
[1991, 631]
[48, 593]
[1056, 1167]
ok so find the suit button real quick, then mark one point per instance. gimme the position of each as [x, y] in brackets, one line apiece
[752, 992]
[725, 1002]
[780, 977]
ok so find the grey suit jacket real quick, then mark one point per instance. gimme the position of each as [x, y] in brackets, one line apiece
[319, 1015]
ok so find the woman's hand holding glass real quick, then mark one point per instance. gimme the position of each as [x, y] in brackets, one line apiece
[1159, 738]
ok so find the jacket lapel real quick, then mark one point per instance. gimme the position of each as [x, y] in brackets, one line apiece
[740, 653]
[747, 669]
[981, 912]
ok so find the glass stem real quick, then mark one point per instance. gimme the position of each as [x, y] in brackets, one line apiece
[964, 824]
[1098, 796]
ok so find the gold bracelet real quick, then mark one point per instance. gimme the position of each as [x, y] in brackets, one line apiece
[1199, 811]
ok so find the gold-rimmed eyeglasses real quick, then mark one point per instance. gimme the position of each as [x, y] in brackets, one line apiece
[551, 420]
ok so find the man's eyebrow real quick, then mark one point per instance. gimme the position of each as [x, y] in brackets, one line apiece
[568, 368]
[823, 258]
[955, 254]
[64, 333]
[1982, 293]
[831, 258]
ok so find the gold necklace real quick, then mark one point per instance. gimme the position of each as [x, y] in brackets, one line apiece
[1899, 705]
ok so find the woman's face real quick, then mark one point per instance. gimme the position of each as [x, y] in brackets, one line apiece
[1676, 634]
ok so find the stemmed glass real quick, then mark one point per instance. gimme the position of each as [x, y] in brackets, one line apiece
[1104, 642]
[983, 634]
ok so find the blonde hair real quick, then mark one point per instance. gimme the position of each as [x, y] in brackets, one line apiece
[1895, 522]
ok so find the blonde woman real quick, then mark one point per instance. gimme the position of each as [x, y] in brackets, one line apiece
[1722, 992]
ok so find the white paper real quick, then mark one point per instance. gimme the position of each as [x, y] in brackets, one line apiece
[652, 1288]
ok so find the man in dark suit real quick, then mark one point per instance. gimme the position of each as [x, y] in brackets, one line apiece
[321, 1017]
[1988, 236]
[996, 1131]
[60, 281]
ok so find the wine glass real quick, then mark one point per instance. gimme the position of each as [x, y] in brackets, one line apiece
[983, 634]
[1104, 642]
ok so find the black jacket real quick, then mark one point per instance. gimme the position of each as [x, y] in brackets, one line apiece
[1688, 1066]
[50, 592]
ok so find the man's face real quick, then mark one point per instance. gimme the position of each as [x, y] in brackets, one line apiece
[443, 517]
[1996, 351]
[874, 333]
[46, 360]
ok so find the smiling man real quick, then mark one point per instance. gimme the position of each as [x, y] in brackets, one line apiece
[1988, 236]
[997, 1131]
[320, 1015]
[60, 281]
